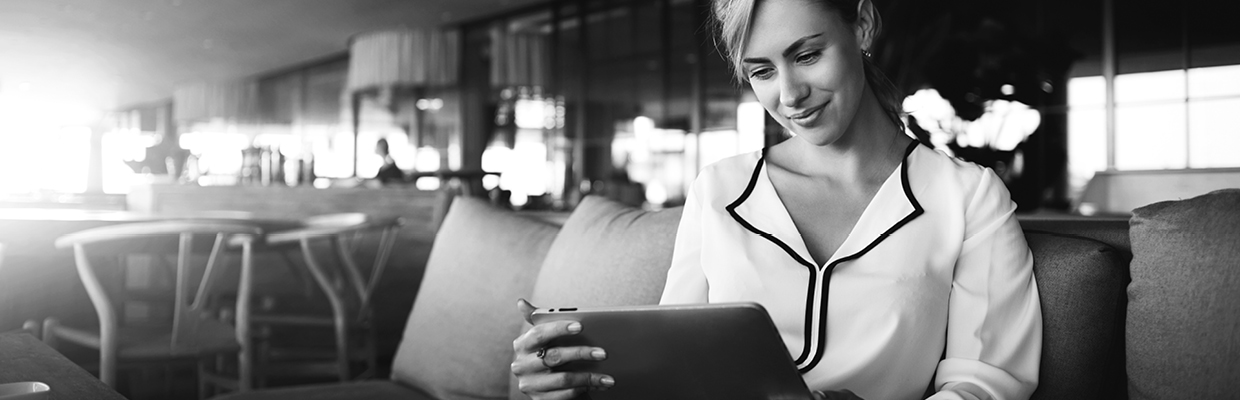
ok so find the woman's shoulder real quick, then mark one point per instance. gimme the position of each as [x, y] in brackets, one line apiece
[940, 168]
[728, 173]
[954, 182]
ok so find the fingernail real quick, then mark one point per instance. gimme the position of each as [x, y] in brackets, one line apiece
[574, 327]
[608, 381]
[598, 354]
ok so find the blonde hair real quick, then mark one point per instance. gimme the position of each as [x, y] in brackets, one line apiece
[734, 18]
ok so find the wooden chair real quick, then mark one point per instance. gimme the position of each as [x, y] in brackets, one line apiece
[346, 286]
[191, 334]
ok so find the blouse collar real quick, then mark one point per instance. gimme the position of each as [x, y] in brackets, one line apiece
[759, 210]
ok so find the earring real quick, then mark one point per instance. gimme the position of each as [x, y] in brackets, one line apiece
[867, 54]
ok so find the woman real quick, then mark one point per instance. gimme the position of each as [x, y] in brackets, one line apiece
[388, 173]
[886, 266]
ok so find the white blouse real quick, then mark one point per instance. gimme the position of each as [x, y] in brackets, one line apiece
[935, 281]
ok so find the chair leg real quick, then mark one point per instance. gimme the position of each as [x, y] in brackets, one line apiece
[264, 354]
[245, 367]
[342, 349]
[245, 336]
[337, 305]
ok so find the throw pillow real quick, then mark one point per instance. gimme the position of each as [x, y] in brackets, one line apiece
[458, 340]
[1183, 334]
[607, 254]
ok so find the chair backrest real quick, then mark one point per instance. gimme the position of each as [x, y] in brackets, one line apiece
[156, 239]
[346, 233]
[1081, 267]
[335, 220]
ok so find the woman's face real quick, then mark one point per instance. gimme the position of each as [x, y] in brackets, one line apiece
[804, 64]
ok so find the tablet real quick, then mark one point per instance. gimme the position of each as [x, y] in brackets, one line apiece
[689, 352]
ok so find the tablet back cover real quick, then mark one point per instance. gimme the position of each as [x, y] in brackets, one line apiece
[710, 351]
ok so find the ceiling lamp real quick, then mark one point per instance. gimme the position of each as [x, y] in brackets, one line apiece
[403, 58]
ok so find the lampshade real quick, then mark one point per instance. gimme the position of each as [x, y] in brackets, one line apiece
[401, 58]
[519, 58]
[234, 101]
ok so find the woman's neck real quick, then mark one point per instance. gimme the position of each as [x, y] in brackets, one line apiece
[869, 149]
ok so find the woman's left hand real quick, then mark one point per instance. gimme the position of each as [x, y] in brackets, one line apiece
[836, 395]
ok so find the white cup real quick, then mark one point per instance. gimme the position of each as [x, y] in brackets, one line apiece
[24, 391]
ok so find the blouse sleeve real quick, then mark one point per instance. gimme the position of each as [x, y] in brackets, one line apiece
[994, 323]
[686, 283]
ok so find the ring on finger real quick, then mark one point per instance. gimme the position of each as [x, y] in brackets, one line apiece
[541, 354]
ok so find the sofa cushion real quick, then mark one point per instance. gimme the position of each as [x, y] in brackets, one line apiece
[1183, 334]
[607, 254]
[1081, 283]
[458, 339]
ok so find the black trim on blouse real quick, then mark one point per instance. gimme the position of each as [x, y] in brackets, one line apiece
[813, 269]
[829, 269]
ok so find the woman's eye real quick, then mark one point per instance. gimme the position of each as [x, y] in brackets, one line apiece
[808, 58]
[760, 74]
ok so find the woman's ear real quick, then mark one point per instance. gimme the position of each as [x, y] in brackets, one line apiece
[868, 25]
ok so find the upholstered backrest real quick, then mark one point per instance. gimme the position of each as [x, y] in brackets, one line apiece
[1112, 231]
[1081, 282]
[458, 339]
[611, 254]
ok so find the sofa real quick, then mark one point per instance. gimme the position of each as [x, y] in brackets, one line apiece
[1140, 308]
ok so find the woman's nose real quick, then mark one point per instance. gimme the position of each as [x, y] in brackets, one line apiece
[792, 90]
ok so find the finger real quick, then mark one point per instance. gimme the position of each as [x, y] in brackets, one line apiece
[538, 336]
[839, 395]
[527, 310]
[544, 383]
[554, 357]
[557, 356]
[564, 394]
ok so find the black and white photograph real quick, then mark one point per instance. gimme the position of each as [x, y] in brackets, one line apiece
[619, 199]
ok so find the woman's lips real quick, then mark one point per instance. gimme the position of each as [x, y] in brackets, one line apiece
[807, 117]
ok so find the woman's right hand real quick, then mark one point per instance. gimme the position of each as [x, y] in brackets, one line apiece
[534, 361]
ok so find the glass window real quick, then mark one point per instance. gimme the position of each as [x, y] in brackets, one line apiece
[1213, 133]
[1150, 86]
[1150, 130]
[1164, 120]
[1087, 145]
[1214, 82]
[1087, 91]
[1150, 136]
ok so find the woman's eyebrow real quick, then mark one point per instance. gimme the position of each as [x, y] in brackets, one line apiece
[789, 50]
